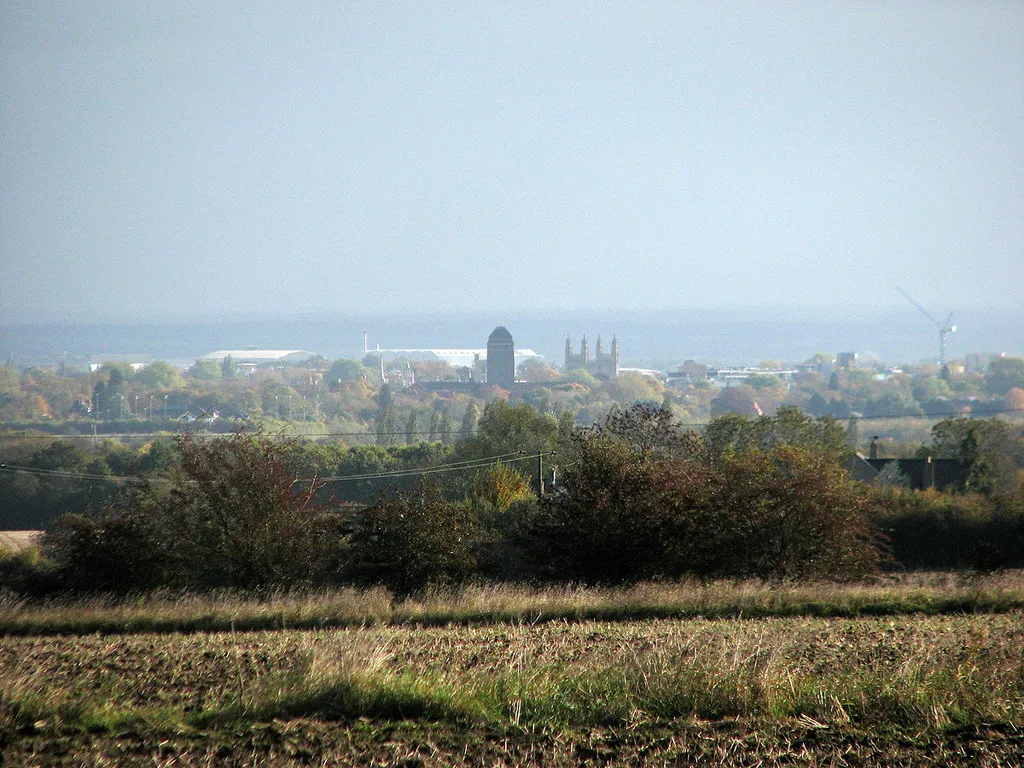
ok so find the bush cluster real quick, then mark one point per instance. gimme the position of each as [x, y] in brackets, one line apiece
[627, 512]
[229, 514]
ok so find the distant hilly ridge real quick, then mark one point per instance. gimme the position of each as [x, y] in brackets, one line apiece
[657, 339]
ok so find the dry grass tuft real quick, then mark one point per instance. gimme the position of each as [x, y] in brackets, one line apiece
[931, 673]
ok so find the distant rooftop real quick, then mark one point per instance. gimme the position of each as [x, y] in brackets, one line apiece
[457, 358]
[119, 357]
[97, 361]
[644, 372]
[260, 355]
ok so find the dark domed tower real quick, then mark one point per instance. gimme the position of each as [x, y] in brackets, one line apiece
[501, 360]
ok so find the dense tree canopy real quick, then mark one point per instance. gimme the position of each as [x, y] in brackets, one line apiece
[761, 498]
[230, 512]
[1004, 373]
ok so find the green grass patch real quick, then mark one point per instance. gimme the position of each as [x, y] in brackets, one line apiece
[929, 594]
[914, 674]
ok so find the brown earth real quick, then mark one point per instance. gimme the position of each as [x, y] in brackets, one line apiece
[148, 674]
[694, 743]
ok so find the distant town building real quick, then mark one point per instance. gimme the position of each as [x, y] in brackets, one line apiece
[687, 373]
[601, 366]
[918, 474]
[723, 377]
[846, 359]
[501, 358]
[457, 358]
[261, 356]
[649, 372]
[137, 362]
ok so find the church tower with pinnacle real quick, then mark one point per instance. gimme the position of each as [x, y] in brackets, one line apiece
[602, 366]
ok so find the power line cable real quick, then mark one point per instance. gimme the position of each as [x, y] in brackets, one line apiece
[64, 473]
[457, 466]
[276, 436]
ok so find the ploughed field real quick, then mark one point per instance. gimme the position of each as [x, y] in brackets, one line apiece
[910, 689]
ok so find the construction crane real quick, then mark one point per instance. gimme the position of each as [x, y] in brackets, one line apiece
[944, 327]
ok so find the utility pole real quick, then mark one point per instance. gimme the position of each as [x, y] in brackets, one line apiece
[540, 471]
[540, 474]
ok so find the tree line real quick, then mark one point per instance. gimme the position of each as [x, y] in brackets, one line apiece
[636, 497]
[353, 398]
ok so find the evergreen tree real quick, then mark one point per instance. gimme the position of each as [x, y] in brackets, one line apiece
[410, 426]
[387, 425]
[469, 420]
[445, 426]
[435, 425]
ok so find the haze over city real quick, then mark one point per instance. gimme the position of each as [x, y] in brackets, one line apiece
[511, 382]
[169, 161]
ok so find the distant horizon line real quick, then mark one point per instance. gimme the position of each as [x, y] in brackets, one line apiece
[803, 310]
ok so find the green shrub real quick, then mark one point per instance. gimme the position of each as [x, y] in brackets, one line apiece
[785, 512]
[413, 541]
[608, 519]
[230, 514]
[933, 530]
[116, 551]
[626, 510]
[25, 572]
[507, 551]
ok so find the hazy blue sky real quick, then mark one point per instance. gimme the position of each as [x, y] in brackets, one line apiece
[176, 158]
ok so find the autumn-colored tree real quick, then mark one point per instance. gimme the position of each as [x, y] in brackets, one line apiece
[470, 419]
[159, 375]
[649, 430]
[1003, 374]
[536, 370]
[606, 521]
[991, 449]
[507, 429]
[785, 512]
[500, 486]
[205, 370]
[433, 370]
[737, 399]
[345, 370]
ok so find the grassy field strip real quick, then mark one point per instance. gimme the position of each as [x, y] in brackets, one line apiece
[921, 673]
[16, 541]
[935, 594]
